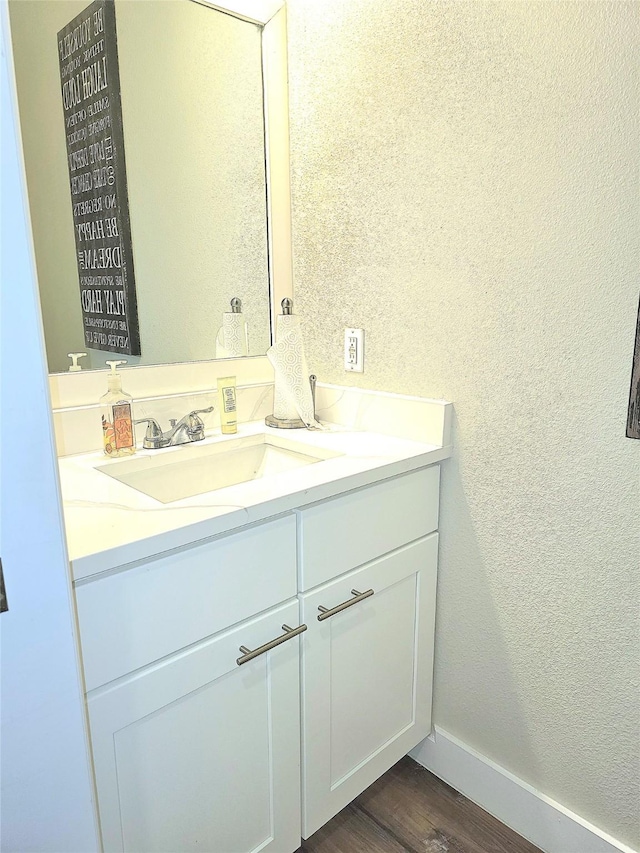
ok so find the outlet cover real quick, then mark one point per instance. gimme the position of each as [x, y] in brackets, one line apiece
[354, 350]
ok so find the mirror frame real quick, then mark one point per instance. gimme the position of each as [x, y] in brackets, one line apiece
[76, 389]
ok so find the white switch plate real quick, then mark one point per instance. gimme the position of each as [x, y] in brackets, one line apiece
[354, 350]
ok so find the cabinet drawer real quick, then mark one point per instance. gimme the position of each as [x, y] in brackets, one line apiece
[134, 617]
[341, 534]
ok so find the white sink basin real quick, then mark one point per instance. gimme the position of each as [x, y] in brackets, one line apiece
[182, 472]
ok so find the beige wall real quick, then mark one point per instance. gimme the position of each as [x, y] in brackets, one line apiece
[191, 83]
[465, 188]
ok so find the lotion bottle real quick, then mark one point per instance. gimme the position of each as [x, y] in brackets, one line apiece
[227, 401]
[117, 418]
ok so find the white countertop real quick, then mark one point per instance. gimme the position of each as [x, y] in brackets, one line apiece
[109, 524]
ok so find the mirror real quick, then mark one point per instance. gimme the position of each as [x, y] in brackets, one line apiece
[203, 96]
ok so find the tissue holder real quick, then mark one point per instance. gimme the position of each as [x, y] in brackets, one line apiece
[294, 423]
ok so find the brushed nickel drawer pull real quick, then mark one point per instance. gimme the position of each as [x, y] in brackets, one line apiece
[248, 655]
[359, 596]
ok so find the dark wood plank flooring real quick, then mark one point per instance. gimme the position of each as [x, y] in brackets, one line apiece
[409, 810]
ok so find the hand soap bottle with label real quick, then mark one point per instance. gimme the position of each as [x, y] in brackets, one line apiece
[227, 400]
[117, 418]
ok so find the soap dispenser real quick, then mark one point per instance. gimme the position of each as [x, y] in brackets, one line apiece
[117, 419]
[74, 356]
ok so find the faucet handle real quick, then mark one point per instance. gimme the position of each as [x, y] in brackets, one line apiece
[153, 427]
[195, 422]
[153, 435]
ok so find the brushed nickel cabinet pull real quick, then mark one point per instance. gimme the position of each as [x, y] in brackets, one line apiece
[359, 596]
[248, 655]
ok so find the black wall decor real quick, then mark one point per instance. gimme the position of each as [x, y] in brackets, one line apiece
[633, 416]
[90, 79]
[4, 604]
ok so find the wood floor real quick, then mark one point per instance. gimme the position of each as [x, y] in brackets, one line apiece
[409, 810]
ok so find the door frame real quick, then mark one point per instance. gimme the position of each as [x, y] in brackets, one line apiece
[48, 801]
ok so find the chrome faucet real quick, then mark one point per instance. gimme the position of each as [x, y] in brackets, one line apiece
[187, 429]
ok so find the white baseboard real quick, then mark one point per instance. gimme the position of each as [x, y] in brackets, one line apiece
[536, 817]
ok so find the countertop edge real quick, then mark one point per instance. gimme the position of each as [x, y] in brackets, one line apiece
[92, 566]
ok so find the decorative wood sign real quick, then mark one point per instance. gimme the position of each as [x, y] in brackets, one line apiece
[633, 417]
[90, 78]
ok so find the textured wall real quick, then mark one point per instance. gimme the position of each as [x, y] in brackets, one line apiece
[465, 188]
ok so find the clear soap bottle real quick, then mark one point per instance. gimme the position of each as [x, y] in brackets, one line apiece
[117, 416]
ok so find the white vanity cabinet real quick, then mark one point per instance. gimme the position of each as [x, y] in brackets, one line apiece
[193, 751]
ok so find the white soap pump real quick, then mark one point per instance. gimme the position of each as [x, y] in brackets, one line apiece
[117, 417]
[74, 356]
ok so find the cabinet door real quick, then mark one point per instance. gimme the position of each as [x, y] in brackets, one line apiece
[197, 753]
[366, 676]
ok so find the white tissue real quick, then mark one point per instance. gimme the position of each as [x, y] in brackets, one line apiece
[233, 339]
[292, 394]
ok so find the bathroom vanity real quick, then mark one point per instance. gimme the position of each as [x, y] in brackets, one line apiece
[257, 655]
[256, 650]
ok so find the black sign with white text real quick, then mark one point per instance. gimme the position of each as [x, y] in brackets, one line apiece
[88, 54]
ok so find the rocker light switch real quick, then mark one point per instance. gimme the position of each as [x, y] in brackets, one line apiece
[354, 350]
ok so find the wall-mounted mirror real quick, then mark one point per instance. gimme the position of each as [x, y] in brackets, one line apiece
[203, 92]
